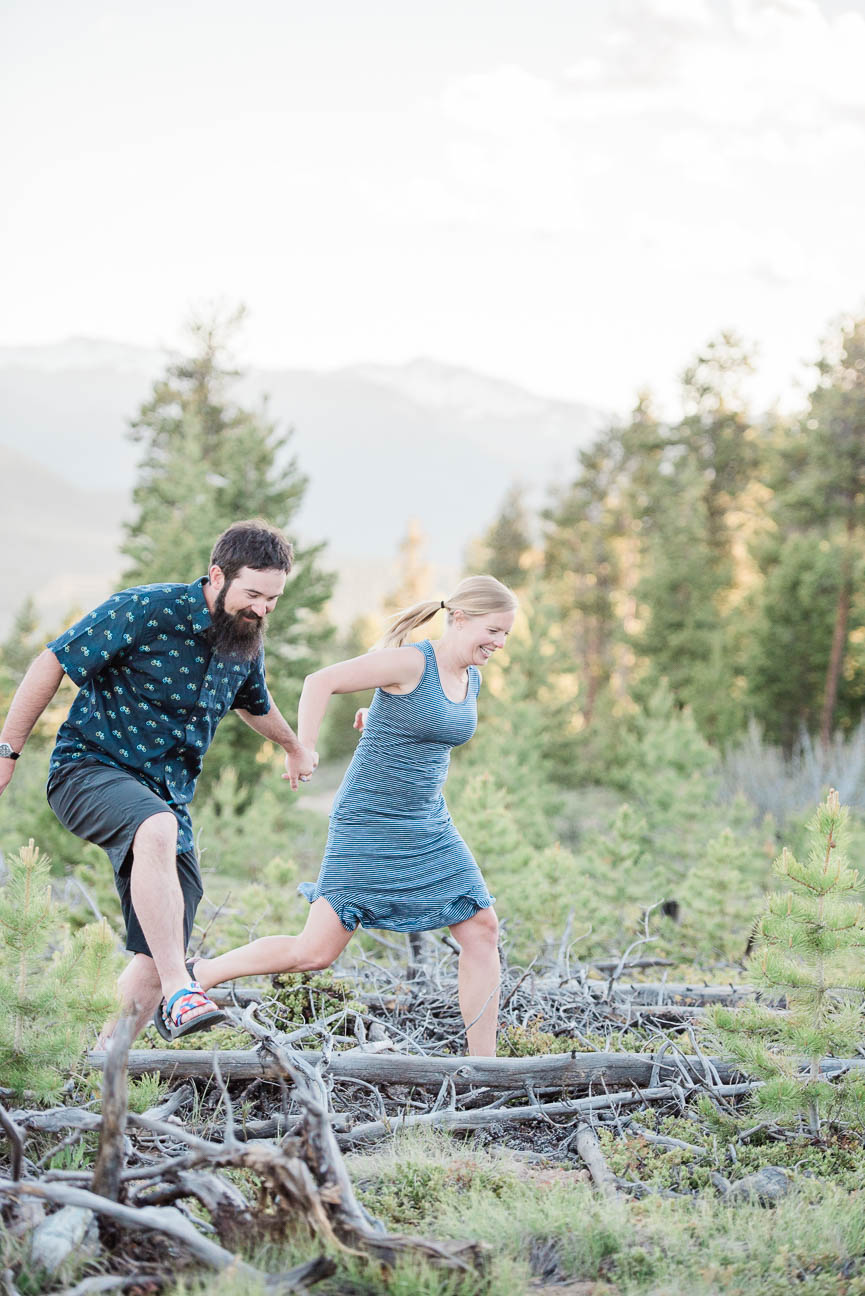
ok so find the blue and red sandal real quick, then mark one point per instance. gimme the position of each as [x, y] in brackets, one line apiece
[169, 1017]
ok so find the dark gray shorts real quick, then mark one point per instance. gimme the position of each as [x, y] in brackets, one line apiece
[107, 806]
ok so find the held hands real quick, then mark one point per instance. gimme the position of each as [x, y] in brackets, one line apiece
[300, 763]
[360, 716]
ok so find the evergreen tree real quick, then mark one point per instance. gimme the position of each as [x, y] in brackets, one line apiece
[809, 943]
[415, 580]
[694, 511]
[207, 463]
[338, 738]
[791, 640]
[585, 564]
[505, 550]
[19, 648]
[48, 1006]
[683, 639]
[663, 845]
[820, 493]
[717, 433]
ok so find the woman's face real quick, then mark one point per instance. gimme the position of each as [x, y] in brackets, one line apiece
[481, 636]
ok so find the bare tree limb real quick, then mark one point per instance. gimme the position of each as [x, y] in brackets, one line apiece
[16, 1141]
[109, 1160]
[158, 1218]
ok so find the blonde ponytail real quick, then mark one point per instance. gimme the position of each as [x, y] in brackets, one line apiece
[476, 596]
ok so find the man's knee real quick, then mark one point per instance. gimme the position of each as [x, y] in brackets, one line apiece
[158, 834]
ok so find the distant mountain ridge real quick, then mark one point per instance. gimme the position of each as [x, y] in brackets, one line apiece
[380, 445]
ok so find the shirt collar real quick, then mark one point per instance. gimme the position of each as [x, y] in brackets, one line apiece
[199, 613]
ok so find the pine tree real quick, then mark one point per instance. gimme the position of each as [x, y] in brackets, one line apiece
[819, 482]
[207, 463]
[791, 639]
[20, 646]
[809, 943]
[338, 738]
[414, 575]
[48, 1005]
[585, 565]
[505, 550]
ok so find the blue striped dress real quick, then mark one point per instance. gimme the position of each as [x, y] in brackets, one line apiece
[393, 857]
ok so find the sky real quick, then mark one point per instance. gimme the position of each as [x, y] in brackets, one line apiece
[570, 194]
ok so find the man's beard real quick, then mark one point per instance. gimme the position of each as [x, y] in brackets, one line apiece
[233, 634]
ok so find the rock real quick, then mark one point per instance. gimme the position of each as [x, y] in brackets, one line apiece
[25, 1215]
[765, 1186]
[70, 1229]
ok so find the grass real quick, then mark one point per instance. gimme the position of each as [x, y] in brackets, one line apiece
[546, 1225]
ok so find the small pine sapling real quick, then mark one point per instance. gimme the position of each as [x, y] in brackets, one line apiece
[53, 992]
[808, 944]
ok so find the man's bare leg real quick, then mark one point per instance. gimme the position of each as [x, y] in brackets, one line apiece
[158, 902]
[140, 992]
[322, 940]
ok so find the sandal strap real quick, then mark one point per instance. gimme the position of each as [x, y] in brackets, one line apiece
[188, 998]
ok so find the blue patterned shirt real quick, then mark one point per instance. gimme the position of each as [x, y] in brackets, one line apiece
[151, 691]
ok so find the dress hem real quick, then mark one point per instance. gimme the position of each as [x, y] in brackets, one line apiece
[431, 921]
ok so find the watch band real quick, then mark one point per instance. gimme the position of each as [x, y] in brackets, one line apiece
[7, 752]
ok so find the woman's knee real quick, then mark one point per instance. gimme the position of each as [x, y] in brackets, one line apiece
[304, 955]
[316, 959]
[482, 929]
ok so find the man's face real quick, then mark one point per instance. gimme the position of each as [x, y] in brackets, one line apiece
[241, 608]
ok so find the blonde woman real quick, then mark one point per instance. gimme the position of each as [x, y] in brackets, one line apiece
[394, 858]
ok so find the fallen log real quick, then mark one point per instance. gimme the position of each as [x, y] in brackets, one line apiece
[552, 1070]
[638, 991]
[669, 992]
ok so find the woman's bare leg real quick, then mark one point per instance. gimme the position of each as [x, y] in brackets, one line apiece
[322, 940]
[479, 980]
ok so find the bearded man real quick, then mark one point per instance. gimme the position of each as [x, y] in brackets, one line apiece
[157, 667]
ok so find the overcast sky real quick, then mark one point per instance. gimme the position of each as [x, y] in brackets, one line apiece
[572, 194]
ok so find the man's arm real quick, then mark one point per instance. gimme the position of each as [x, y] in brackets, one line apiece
[31, 698]
[299, 761]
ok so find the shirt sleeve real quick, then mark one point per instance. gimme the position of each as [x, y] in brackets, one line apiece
[92, 643]
[252, 696]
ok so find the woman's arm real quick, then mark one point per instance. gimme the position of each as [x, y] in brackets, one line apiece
[397, 669]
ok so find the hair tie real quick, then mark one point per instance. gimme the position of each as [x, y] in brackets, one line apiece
[443, 602]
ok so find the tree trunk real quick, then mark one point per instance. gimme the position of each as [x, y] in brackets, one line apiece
[839, 641]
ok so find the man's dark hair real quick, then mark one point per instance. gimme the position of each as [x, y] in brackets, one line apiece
[254, 543]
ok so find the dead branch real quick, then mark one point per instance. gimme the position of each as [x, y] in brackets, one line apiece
[349, 1221]
[109, 1160]
[370, 1133]
[585, 1140]
[16, 1141]
[161, 1219]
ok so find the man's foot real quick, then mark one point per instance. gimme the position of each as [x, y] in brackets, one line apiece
[188, 1010]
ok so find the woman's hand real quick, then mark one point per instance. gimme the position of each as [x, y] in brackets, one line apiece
[300, 764]
[360, 716]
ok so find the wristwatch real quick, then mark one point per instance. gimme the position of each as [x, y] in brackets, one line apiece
[7, 753]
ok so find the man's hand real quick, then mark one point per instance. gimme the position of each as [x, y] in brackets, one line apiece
[360, 716]
[7, 769]
[300, 763]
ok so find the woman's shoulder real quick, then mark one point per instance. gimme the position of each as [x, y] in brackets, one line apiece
[414, 657]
